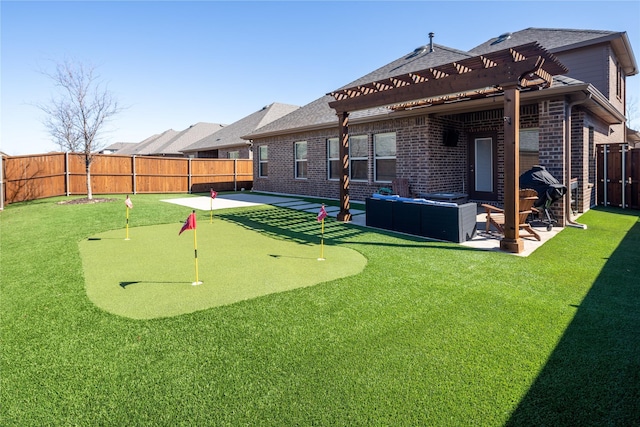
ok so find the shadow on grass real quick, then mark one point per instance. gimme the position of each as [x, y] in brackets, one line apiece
[592, 378]
[301, 227]
[124, 285]
[290, 224]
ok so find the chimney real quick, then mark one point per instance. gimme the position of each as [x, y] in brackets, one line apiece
[431, 42]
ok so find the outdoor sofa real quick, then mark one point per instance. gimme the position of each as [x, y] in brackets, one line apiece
[421, 217]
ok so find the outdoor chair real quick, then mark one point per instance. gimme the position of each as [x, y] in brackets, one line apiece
[401, 187]
[495, 216]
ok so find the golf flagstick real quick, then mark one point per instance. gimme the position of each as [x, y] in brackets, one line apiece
[321, 216]
[190, 224]
[322, 243]
[129, 205]
[213, 195]
[195, 250]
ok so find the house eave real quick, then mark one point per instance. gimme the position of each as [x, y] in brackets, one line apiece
[216, 147]
[309, 128]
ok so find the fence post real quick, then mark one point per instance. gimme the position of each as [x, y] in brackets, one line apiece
[235, 174]
[1, 182]
[66, 174]
[623, 181]
[605, 151]
[189, 175]
[133, 174]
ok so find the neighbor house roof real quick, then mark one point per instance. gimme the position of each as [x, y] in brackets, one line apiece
[230, 136]
[185, 138]
[148, 145]
[117, 146]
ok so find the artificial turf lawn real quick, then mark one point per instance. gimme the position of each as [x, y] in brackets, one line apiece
[427, 334]
[151, 274]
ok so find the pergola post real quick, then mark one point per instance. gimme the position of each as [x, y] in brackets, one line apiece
[344, 214]
[511, 242]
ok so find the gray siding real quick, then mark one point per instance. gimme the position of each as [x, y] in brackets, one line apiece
[589, 64]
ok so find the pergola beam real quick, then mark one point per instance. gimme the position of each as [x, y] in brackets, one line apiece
[449, 85]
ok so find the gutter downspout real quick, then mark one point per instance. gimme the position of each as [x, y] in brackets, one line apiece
[1, 182]
[567, 159]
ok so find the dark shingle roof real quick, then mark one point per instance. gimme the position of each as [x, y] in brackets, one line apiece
[185, 138]
[318, 112]
[146, 146]
[117, 146]
[551, 39]
[231, 135]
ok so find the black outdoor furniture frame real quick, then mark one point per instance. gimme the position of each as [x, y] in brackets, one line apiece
[420, 217]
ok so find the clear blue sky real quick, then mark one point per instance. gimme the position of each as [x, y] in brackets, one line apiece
[178, 63]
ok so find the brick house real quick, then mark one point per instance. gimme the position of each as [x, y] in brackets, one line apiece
[457, 144]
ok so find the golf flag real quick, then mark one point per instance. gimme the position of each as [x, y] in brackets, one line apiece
[213, 193]
[190, 223]
[129, 205]
[321, 216]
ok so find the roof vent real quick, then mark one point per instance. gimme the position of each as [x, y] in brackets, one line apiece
[502, 37]
[419, 50]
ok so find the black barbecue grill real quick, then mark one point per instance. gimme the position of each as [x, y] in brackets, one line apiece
[549, 191]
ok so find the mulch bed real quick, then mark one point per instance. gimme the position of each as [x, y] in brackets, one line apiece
[85, 201]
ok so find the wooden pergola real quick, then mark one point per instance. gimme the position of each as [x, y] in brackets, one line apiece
[505, 72]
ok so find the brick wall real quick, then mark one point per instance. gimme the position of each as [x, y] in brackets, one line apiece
[244, 152]
[421, 155]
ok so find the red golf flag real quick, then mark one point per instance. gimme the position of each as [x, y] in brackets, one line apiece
[213, 193]
[190, 223]
[322, 214]
[127, 202]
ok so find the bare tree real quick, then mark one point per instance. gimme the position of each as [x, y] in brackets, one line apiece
[75, 116]
[633, 113]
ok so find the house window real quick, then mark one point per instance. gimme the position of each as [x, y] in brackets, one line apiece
[300, 149]
[619, 81]
[233, 155]
[384, 153]
[358, 157]
[529, 148]
[333, 159]
[263, 161]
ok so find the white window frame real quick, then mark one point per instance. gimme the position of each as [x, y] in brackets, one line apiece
[352, 158]
[263, 160]
[300, 161]
[376, 157]
[233, 154]
[333, 159]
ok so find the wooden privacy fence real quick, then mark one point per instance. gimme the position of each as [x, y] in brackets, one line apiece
[58, 174]
[618, 175]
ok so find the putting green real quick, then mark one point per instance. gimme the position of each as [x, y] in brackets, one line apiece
[152, 274]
